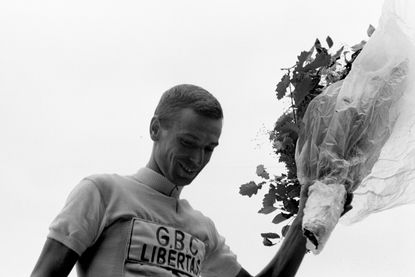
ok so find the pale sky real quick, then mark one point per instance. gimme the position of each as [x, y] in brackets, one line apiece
[79, 81]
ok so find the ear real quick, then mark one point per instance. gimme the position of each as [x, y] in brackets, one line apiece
[155, 128]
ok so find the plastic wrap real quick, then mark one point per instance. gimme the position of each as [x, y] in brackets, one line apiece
[347, 126]
[323, 210]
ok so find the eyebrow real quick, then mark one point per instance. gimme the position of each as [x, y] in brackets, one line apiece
[197, 139]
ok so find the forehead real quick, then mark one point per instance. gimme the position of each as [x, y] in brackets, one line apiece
[189, 122]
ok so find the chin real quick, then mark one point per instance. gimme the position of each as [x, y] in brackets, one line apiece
[183, 182]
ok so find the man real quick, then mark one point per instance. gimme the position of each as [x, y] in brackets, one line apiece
[138, 225]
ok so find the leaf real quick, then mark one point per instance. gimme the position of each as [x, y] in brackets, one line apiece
[329, 41]
[277, 145]
[284, 230]
[338, 54]
[303, 88]
[291, 205]
[317, 45]
[279, 218]
[310, 54]
[322, 59]
[261, 172]
[281, 177]
[270, 235]
[290, 127]
[301, 59]
[358, 46]
[267, 210]
[287, 142]
[294, 192]
[267, 242]
[282, 86]
[248, 189]
[370, 30]
[261, 184]
[269, 198]
[281, 123]
[281, 189]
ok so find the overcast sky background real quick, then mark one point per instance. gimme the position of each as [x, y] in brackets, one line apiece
[79, 81]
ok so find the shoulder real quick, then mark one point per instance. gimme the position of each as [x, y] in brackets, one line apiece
[103, 179]
[105, 182]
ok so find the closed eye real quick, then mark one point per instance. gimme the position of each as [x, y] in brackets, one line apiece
[187, 143]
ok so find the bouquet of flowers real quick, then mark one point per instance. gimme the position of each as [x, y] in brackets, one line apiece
[347, 128]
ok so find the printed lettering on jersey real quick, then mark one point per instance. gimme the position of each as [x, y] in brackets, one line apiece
[165, 247]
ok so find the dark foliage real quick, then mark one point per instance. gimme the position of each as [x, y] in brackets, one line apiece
[313, 71]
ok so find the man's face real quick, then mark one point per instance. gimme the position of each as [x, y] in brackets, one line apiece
[183, 149]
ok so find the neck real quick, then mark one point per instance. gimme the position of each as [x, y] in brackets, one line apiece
[157, 182]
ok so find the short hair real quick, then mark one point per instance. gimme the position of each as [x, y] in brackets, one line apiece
[187, 96]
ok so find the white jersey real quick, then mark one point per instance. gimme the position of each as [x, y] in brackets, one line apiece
[129, 226]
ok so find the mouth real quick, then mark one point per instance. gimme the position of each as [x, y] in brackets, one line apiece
[188, 170]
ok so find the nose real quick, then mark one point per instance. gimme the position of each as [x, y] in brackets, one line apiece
[197, 157]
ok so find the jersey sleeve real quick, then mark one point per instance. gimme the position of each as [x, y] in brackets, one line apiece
[80, 222]
[219, 260]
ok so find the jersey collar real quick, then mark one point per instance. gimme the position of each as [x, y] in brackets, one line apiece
[158, 182]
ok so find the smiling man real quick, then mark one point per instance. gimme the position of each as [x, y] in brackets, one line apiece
[138, 225]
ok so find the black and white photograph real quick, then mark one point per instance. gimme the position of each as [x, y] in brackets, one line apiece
[207, 138]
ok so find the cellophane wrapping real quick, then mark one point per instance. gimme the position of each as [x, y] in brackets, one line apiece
[351, 130]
